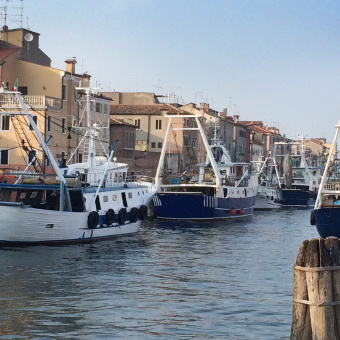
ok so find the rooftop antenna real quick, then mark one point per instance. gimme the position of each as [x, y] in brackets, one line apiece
[21, 13]
[3, 15]
[197, 94]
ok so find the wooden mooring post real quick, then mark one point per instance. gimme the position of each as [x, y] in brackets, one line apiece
[316, 296]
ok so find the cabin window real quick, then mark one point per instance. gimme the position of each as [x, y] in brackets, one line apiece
[105, 198]
[98, 107]
[63, 125]
[35, 119]
[5, 123]
[114, 197]
[158, 124]
[130, 194]
[4, 155]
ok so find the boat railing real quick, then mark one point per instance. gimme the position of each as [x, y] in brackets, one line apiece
[30, 177]
[128, 182]
[332, 185]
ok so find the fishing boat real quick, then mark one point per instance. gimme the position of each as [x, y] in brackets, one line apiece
[269, 195]
[297, 179]
[326, 213]
[223, 190]
[80, 203]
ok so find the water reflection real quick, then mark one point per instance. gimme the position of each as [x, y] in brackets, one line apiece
[174, 280]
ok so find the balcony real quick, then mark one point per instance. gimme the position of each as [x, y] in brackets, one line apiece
[11, 102]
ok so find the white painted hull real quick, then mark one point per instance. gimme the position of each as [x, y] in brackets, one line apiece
[23, 225]
[265, 203]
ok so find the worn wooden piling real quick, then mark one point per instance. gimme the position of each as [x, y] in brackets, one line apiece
[316, 296]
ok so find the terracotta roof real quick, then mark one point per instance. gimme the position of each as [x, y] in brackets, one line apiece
[5, 52]
[251, 122]
[260, 130]
[114, 121]
[141, 109]
[319, 141]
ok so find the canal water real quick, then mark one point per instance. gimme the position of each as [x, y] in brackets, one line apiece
[172, 281]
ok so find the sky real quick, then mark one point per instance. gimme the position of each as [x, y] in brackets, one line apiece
[276, 61]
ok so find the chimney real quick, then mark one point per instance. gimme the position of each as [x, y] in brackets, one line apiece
[236, 118]
[71, 65]
[224, 112]
[85, 80]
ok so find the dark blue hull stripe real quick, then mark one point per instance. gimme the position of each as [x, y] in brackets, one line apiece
[200, 207]
[328, 221]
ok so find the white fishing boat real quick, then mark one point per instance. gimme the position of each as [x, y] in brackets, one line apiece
[84, 202]
[223, 190]
[269, 195]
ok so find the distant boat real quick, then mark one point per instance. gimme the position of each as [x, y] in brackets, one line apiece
[296, 183]
[223, 190]
[326, 213]
[84, 202]
[269, 195]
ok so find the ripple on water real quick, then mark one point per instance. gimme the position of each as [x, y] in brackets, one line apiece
[173, 280]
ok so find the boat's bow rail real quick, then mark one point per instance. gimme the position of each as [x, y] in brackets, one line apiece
[332, 186]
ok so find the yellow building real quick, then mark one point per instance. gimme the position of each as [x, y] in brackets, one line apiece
[54, 99]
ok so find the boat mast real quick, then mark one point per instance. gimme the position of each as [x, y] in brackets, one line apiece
[325, 175]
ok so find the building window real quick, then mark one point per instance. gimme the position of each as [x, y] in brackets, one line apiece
[80, 158]
[22, 90]
[129, 140]
[193, 143]
[160, 144]
[63, 125]
[4, 156]
[49, 124]
[64, 92]
[31, 156]
[158, 124]
[186, 140]
[186, 122]
[241, 133]
[105, 108]
[35, 119]
[137, 123]
[153, 145]
[5, 123]
[47, 161]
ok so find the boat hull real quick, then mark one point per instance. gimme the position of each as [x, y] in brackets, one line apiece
[327, 221]
[266, 203]
[22, 225]
[180, 206]
[294, 198]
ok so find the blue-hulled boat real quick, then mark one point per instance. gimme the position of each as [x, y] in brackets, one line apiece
[298, 182]
[326, 213]
[223, 189]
